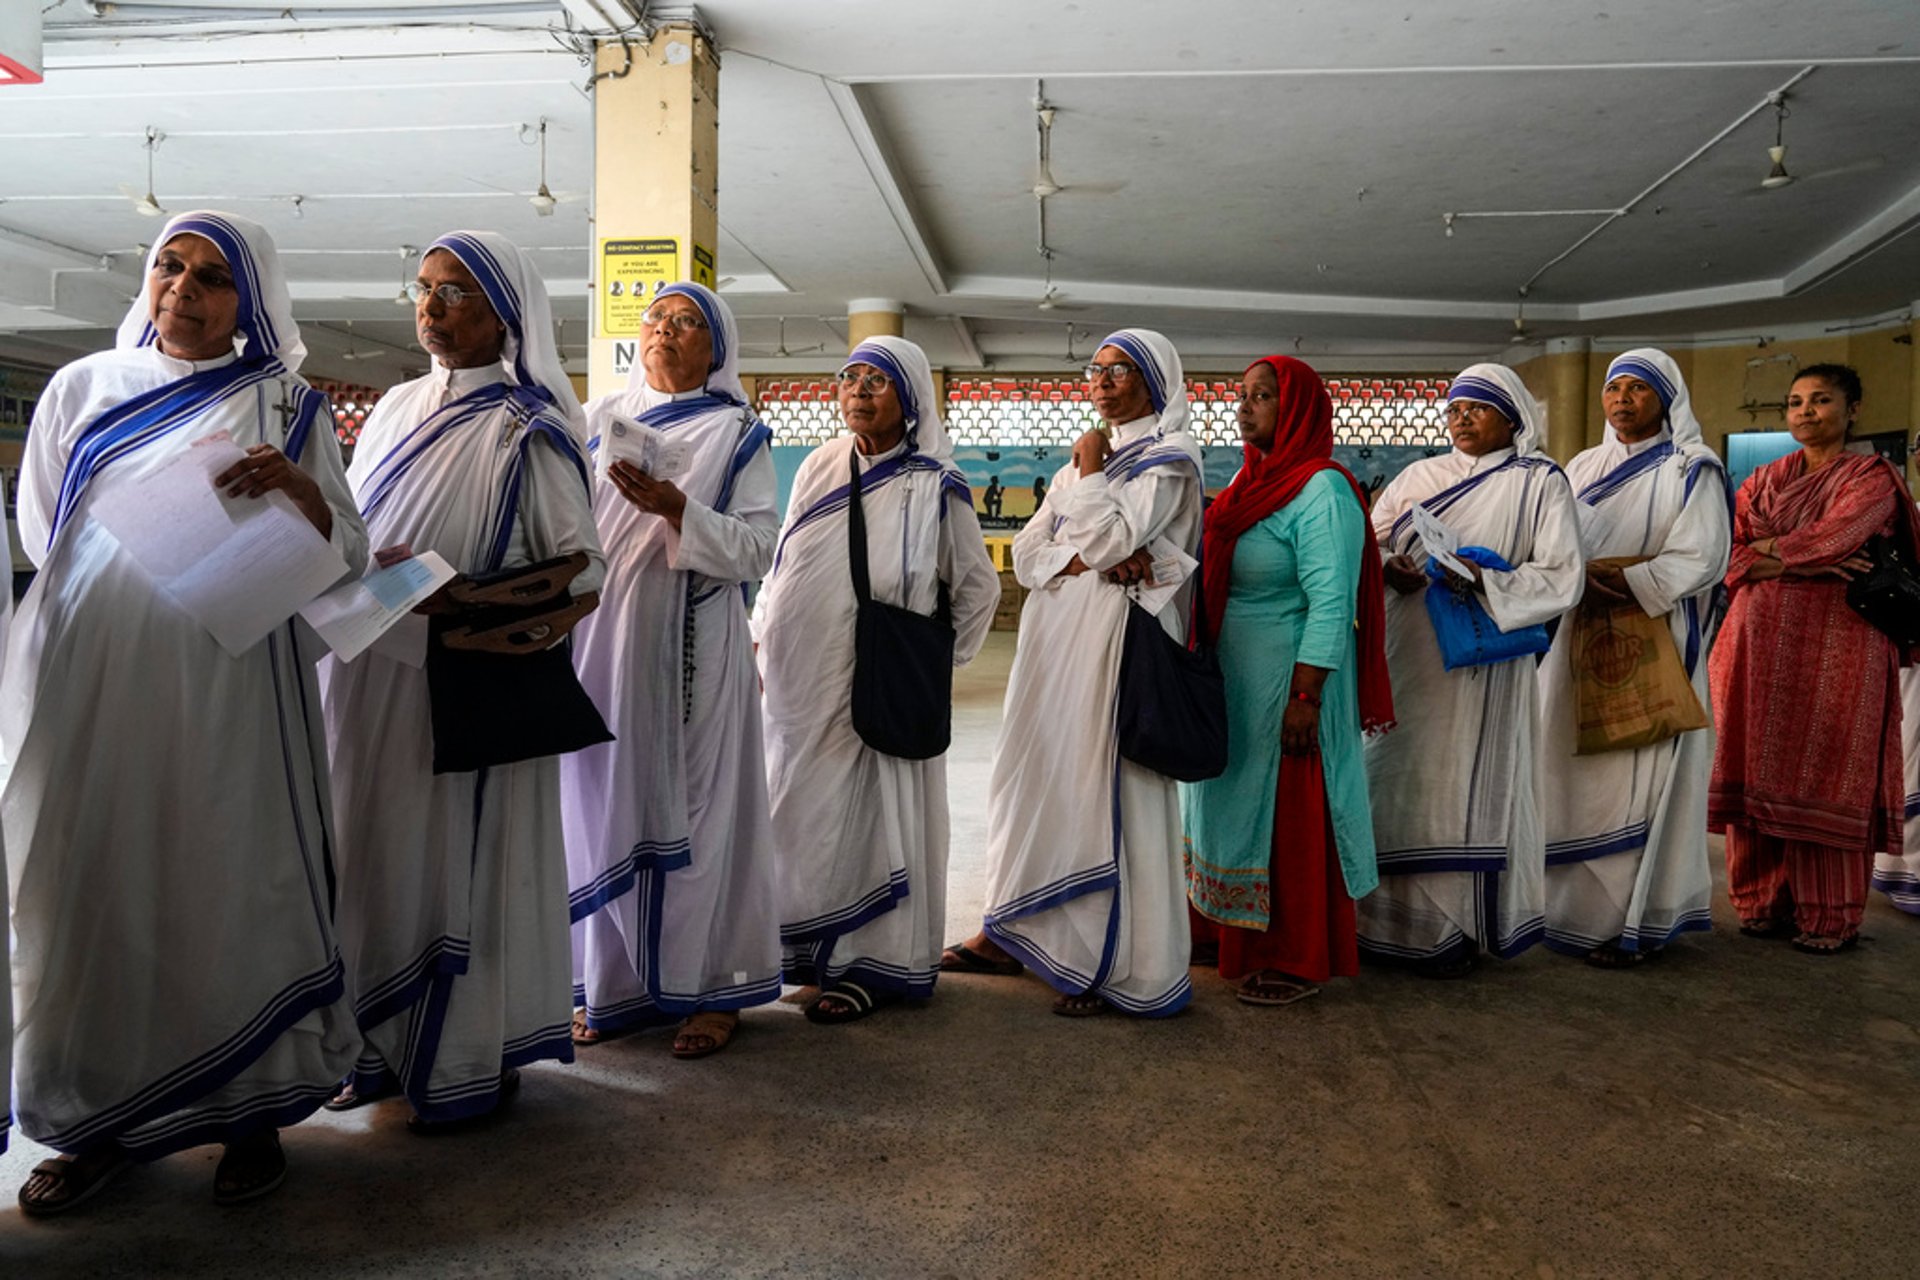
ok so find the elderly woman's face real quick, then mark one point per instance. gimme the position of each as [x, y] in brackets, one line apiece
[1118, 388]
[464, 336]
[1478, 428]
[1633, 408]
[870, 403]
[676, 345]
[1259, 411]
[1818, 414]
[192, 300]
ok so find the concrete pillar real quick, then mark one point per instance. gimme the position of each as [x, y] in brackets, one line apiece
[656, 148]
[1563, 382]
[874, 318]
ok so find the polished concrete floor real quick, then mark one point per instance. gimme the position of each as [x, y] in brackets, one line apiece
[1735, 1110]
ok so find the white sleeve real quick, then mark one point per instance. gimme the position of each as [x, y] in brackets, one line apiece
[45, 463]
[972, 583]
[735, 545]
[1695, 554]
[1108, 522]
[1038, 557]
[556, 518]
[1553, 576]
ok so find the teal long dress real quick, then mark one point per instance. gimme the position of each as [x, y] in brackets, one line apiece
[1292, 597]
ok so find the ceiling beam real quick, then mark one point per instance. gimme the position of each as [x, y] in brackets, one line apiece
[1876, 233]
[881, 166]
[1027, 291]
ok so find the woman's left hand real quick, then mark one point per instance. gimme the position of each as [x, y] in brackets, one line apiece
[1300, 728]
[265, 469]
[657, 497]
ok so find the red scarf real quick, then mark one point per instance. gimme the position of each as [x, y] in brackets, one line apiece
[1302, 448]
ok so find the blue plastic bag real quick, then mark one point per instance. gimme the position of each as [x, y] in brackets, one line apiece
[1468, 636]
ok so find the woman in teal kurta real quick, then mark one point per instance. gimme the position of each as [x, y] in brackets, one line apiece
[1281, 844]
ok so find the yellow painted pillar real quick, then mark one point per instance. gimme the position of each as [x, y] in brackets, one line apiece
[1913, 392]
[874, 318]
[1563, 385]
[656, 148]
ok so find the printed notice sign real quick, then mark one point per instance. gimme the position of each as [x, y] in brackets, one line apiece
[631, 272]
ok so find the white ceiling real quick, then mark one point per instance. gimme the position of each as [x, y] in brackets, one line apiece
[1244, 176]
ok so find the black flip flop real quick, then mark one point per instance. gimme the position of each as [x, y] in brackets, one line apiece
[966, 960]
[858, 1002]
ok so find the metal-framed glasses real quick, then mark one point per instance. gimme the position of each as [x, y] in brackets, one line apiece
[450, 294]
[1119, 371]
[871, 383]
[678, 321]
[1479, 410]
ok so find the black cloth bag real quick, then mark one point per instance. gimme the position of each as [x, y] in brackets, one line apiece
[496, 707]
[1888, 595]
[1172, 715]
[902, 660]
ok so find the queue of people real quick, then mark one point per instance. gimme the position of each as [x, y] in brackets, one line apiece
[291, 899]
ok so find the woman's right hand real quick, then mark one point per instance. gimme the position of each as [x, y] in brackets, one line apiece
[1403, 575]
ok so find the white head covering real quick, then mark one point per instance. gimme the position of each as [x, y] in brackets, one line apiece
[912, 376]
[519, 297]
[1501, 387]
[1160, 363]
[1657, 369]
[723, 372]
[265, 327]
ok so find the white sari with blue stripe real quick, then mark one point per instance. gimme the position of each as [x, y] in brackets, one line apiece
[862, 837]
[1455, 786]
[453, 888]
[166, 819]
[1084, 882]
[1627, 830]
[669, 851]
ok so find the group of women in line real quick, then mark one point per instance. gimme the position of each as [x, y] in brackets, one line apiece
[243, 893]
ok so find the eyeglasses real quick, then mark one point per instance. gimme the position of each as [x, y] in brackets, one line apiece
[450, 294]
[871, 383]
[1459, 409]
[678, 321]
[1119, 371]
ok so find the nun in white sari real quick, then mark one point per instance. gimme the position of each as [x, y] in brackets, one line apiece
[166, 820]
[453, 887]
[862, 836]
[669, 855]
[1084, 878]
[1455, 786]
[1627, 867]
[1898, 874]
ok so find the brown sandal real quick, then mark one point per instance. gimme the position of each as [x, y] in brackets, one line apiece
[65, 1182]
[710, 1025]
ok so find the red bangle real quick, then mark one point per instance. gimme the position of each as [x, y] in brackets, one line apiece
[1300, 696]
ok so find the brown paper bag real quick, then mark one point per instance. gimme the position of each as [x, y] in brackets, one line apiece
[1630, 689]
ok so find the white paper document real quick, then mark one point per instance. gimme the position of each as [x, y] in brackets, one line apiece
[648, 448]
[238, 566]
[351, 617]
[1171, 567]
[1441, 540]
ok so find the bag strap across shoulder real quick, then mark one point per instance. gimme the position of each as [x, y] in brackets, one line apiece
[857, 547]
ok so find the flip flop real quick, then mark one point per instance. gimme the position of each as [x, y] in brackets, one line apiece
[1067, 1007]
[1766, 928]
[585, 1035]
[856, 1000]
[1801, 945]
[1609, 956]
[713, 1025]
[349, 1097]
[1274, 991]
[74, 1181]
[248, 1171]
[961, 958]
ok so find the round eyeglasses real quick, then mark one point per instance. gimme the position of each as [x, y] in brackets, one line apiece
[1119, 371]
[678, 321]
[450, 294]
[871, 383]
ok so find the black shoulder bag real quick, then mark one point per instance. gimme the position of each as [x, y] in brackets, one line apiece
[1888, 595]
[1172, 716]
[500, 678]
[902, 660]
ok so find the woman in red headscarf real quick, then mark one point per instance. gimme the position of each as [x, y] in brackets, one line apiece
[1281, 844]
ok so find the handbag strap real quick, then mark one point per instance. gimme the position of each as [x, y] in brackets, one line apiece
[857, 547]
[857, 532]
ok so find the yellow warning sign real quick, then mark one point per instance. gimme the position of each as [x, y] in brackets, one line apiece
[631, 272]
[703, 265]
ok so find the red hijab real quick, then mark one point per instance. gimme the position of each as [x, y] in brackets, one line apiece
[1302, 448]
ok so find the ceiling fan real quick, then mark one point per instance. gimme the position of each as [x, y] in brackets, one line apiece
[781, 351]
[145, 204]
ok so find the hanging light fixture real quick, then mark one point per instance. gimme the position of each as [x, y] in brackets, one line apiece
[542, 200]
[401, 299]
[146, 205]
[1778, 176]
